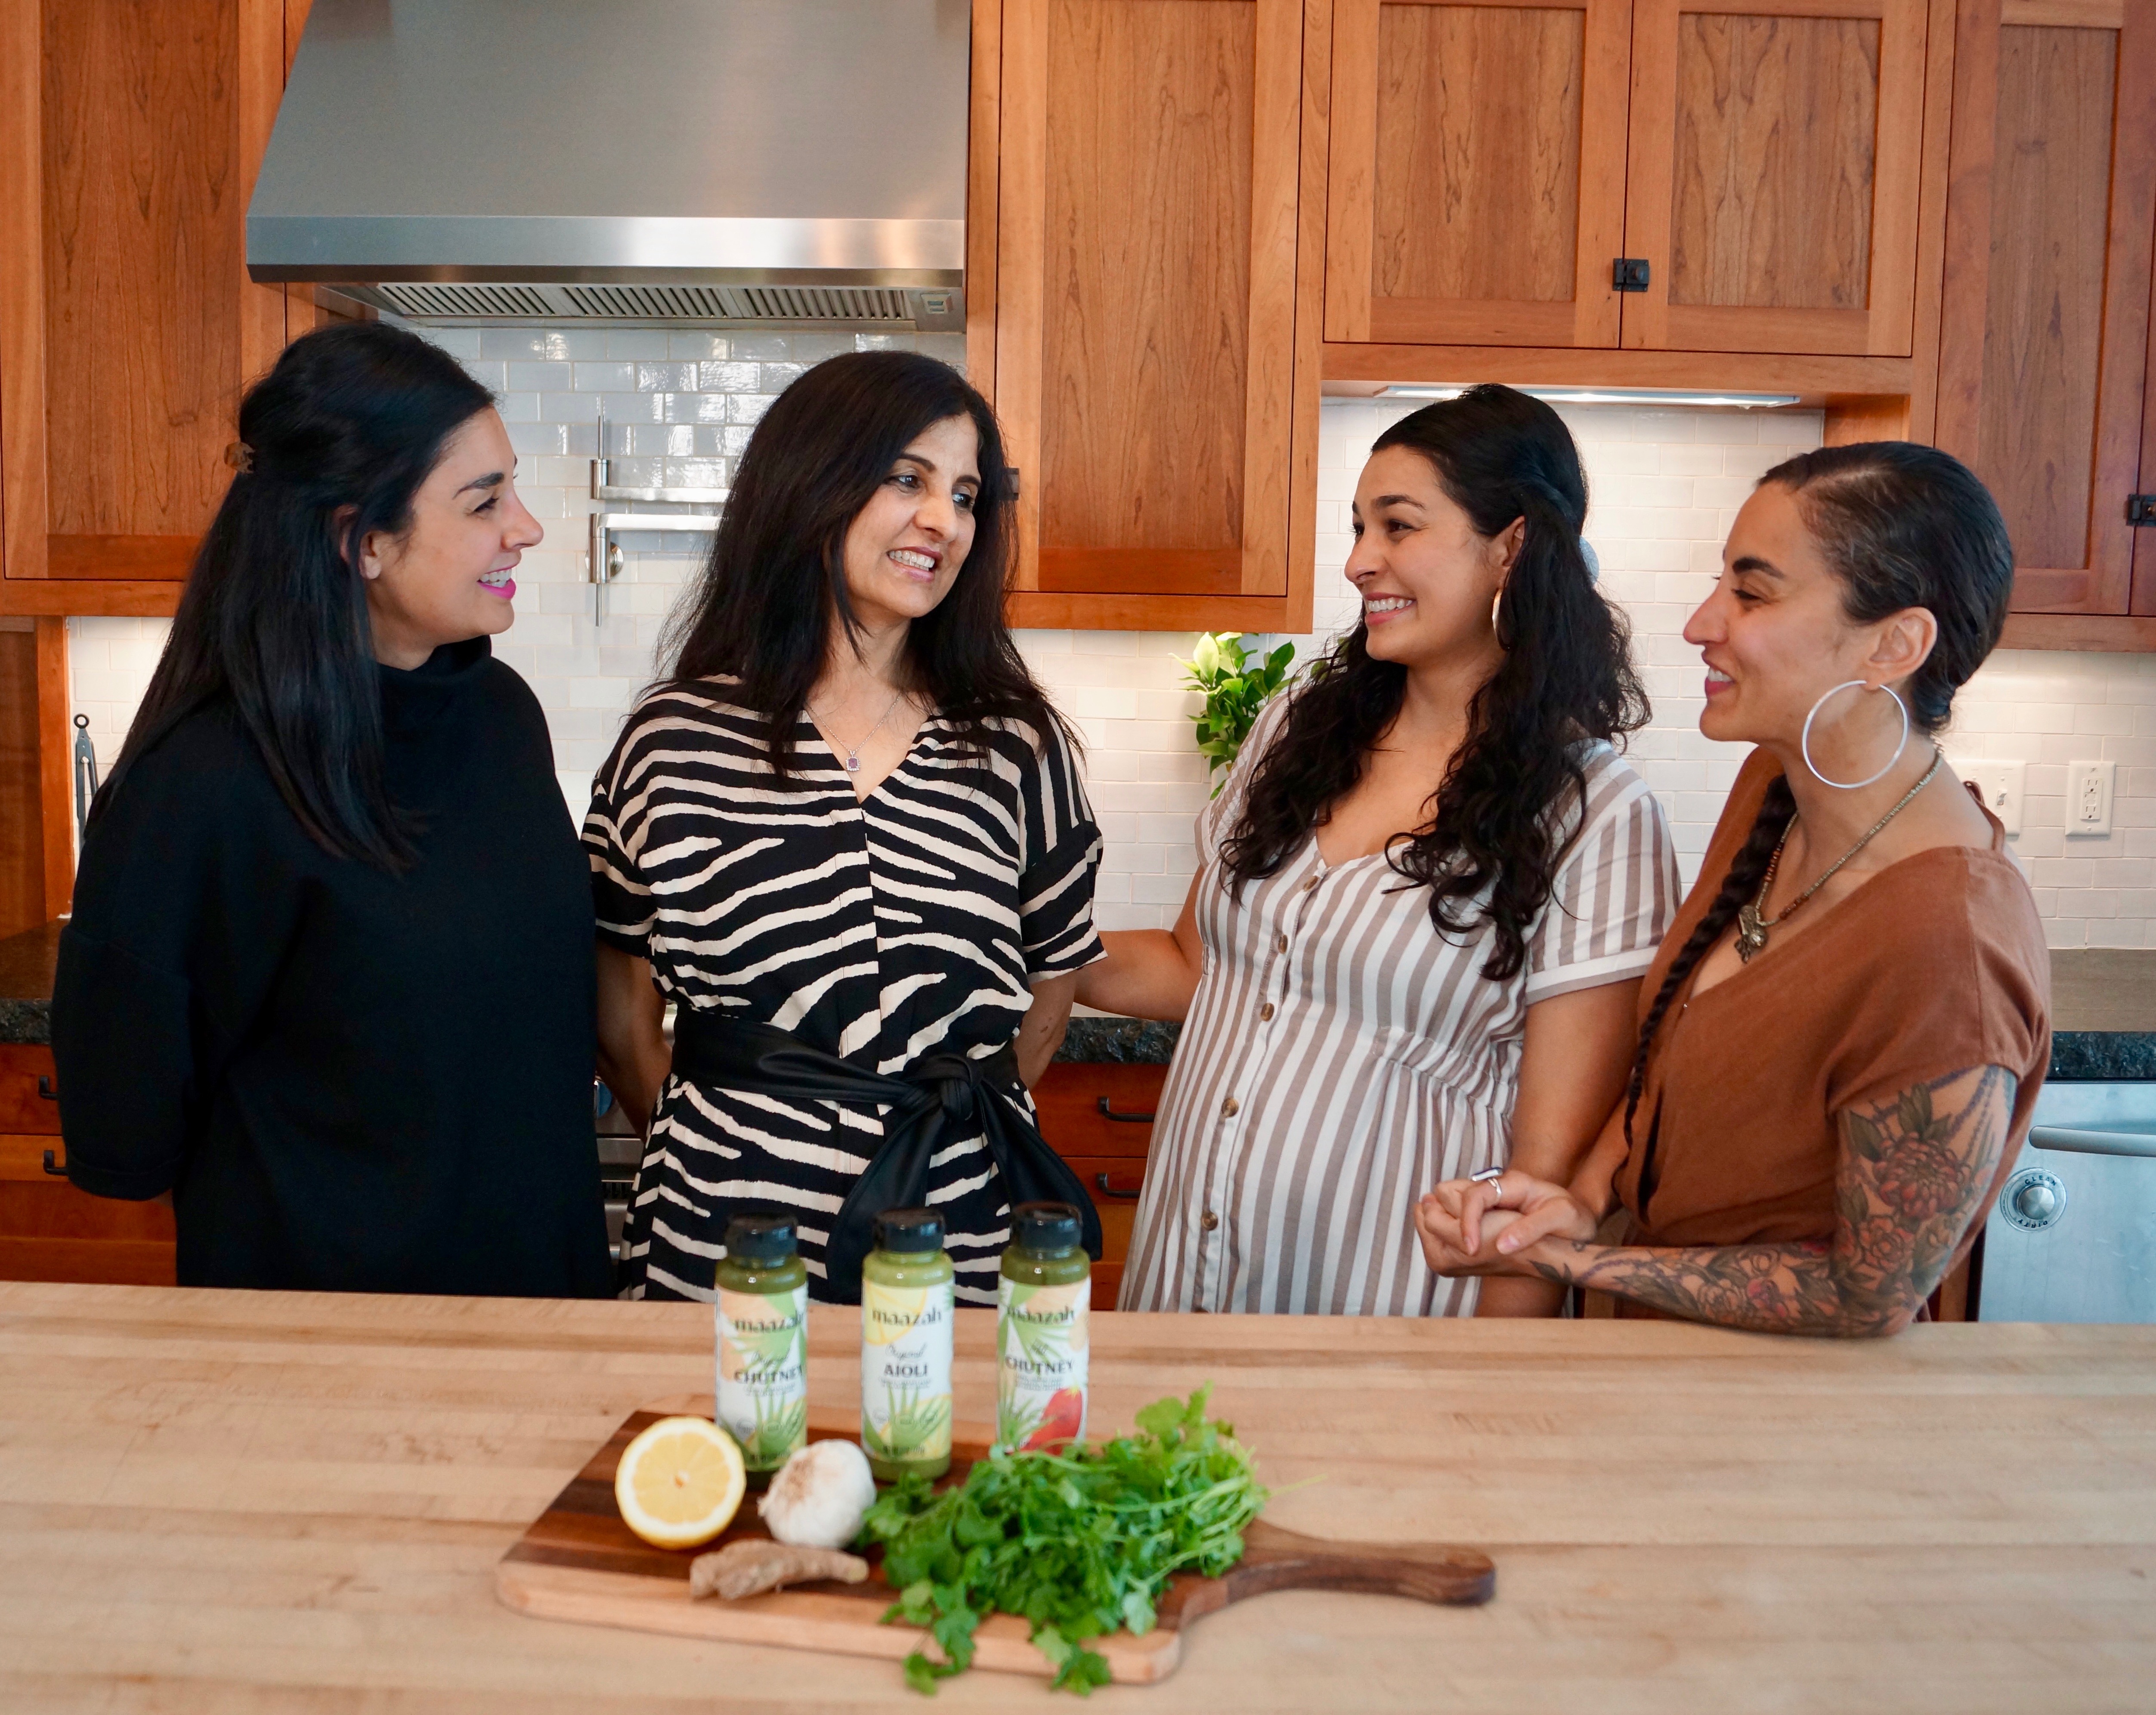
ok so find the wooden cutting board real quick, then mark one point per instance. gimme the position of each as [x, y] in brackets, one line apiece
[580, 1562]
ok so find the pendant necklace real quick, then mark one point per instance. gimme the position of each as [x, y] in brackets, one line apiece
[853, 751]
[1753, 923]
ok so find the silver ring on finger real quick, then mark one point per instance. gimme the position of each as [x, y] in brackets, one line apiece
[1491, 1176]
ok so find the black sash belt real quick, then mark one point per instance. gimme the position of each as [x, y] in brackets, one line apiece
[942, 1100]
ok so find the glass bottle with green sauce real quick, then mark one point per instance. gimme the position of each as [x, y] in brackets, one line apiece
[1044, 1334]
[763, 1310]
[906, 1306]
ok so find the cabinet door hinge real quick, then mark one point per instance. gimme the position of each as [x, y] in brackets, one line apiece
[2141, 509]
[1629, 274]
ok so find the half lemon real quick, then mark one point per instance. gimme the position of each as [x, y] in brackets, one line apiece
[681, 1483]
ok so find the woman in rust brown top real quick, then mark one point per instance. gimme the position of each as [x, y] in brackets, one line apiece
[1841, 1039]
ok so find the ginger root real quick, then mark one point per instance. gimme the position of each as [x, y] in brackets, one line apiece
[757, 1563]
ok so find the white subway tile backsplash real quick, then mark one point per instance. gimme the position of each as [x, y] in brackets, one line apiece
[1666, 482]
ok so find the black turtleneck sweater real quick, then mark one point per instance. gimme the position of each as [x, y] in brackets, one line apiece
[349, 1081]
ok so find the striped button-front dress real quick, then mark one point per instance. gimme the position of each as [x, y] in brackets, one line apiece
[884, 930]
[1341, 1057]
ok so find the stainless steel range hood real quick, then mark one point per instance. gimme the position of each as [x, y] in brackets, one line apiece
[625, 162]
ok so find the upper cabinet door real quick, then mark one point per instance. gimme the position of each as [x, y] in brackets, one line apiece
[1773, 190]
[1477, 178]
[130, 136]
[1146, 296]
[2042, 363]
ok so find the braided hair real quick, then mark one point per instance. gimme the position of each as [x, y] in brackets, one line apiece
[1901, 526]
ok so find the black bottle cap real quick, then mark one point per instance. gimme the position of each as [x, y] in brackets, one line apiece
[1046, 1226]
[908, 1231]
[760, 1238]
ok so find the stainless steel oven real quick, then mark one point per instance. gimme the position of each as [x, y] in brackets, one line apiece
[2073, 1236]
[621, 1151]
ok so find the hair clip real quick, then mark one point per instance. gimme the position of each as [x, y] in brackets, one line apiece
[241, 457]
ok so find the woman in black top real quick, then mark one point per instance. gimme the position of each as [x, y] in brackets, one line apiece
[328, 982]
[848, 837]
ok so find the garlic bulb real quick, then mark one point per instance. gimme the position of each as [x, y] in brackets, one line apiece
[819, 1496]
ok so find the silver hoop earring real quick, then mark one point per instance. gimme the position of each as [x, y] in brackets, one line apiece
[1804, 742]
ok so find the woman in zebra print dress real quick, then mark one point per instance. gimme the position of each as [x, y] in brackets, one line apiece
[848, 815]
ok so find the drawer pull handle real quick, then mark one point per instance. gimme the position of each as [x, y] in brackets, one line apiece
[57, 1170]
[1122, 1119]
[45, 1088]
[1099, 1183]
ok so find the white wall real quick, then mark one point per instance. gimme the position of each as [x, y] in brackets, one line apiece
[1664, 484]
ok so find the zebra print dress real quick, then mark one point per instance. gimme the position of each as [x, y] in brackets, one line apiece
[883, 930]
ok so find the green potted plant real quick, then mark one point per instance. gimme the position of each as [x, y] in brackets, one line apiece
[1234, 687]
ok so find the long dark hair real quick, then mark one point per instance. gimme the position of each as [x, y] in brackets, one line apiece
[1492, 848]
[762, 610]
[339, 436]
[1901, 526]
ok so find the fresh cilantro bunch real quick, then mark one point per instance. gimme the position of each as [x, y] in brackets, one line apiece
[1078, 1543]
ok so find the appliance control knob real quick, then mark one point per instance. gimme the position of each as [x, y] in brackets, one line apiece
[2035, 1199]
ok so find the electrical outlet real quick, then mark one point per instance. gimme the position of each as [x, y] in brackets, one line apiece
[2088, 796]
[2000, 782]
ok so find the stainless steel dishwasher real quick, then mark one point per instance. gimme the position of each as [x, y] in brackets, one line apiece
[2073, 1236]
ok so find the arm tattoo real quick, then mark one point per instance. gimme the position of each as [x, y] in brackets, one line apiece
[1913, 1173]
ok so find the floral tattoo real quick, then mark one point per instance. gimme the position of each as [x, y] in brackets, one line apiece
[1912, 1173]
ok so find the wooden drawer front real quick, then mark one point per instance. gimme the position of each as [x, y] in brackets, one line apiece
[1069, 1098]
[24, 1155]
[50, 1231]
[114, 1262]
[23, 1107]
[56, 1209]
[1117, 1213]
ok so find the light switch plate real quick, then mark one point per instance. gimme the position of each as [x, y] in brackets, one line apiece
[2001, 784]
[2088, 796]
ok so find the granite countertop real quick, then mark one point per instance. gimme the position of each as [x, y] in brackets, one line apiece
[2104, 1012]
[26, 983]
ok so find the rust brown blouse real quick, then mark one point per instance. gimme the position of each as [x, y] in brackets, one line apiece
[1936, 964]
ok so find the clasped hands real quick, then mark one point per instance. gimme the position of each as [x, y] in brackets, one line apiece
[1501, 1226]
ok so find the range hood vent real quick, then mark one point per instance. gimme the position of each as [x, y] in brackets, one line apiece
[451, 304]
[652, 162]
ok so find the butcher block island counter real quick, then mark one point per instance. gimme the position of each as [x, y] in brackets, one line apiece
[253, 1501]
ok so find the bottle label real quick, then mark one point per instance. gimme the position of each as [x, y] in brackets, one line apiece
[1044, 1337]
[906, 1371]
[763, 1374]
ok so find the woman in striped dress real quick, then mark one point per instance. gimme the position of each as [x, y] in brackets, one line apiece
[847, 837]
[1423, 906]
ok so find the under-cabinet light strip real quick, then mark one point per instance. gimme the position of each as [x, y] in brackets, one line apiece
[1609, 396]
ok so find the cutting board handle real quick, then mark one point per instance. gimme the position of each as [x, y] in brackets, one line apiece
[1275, 1559]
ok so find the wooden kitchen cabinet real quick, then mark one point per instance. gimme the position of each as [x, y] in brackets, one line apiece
[130, 135]
[1774, 174]
[1146, 316]
[1476, 192]
[1767, 163]
[1098, 1117]
[2044, 363]
[49, 1229]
